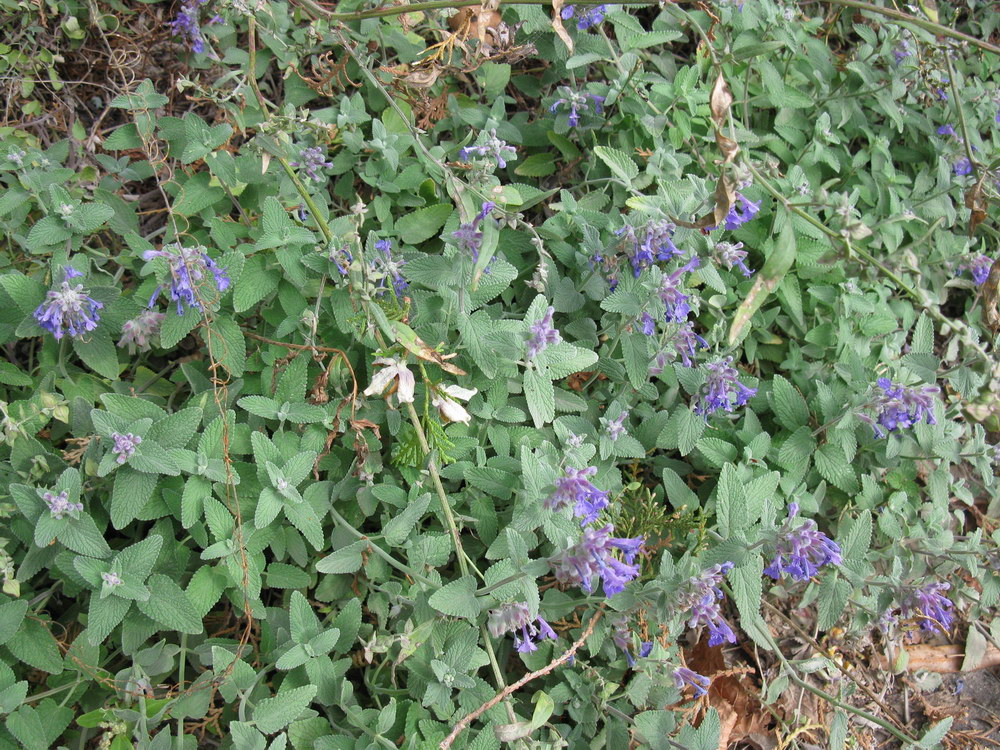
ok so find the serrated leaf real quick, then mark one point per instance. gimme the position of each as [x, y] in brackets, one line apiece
[620, 163]
[401, 524]
[422, 224]
[345, 560]
[131, 491]
[541, 397]
[833, 466]
[274, 714]
[457, 599]
[789, 406]
[169, 606]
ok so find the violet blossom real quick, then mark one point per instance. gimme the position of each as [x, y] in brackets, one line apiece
[60, 505]
[512, 617]
[388, 266]
[687, 677]
[621, 635]
[685, 342]
[657, 244]
[733, 255]
[467, 237]
[111, 579]
[900, 406]
[701, 599]
[962, 166]
[189, 268]
[543, 334]
[742, 211]
[800, 551]
[674, 299]
[68, 308]
[593, 556]
[722, 389]
[124, 446]
[187, 25]
[140, 330]
[979, 266]
[577, 102]
[648, 324]
[616, 426]
[573, 488]
[929, 604]
[312, 160]
[497, 149]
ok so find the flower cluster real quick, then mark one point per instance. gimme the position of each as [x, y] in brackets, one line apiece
[930, 606]
[495, 148]
[900, 406]
[671, 292]
[622, 637]
[590, 17]
[577, 102]
[341, 257]
[140, 330]
[722, 389]
[733, 255]
[387, 266]
[515, 616]
[962, 166]
[125, 445]
[702, 597]
[59, 505]
[979, 266]
[615, 427]
[468, 237]
[111, 579]
[800, 551]
[543, 334]
[68, 308]
[593, 556]
[189, 268]
[742, 211]
[657, 244]
[688, 677]
[573, 488]
[312, 160]
[187, 25]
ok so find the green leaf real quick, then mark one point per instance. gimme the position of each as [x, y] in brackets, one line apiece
[81, 535]
[537, 165]
[260, 406]
[34, 645]
[620, 163]
[227, 345]
[274, 714]
[169, 606]
[833, 594]
[176, 327]
[422, 224]
[401, 524]
[175, 430]
[730, 508]
[104, 616]
[98, 352]
[541, 397]
[131, 491]
[457, 599]
[789, 406]
[833, 466]
[37, 728]
[11, 615]
[345, 560]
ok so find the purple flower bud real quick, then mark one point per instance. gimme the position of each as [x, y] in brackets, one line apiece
[701, 598]
[946, 130]
[468, 237]
[979, 266]
[648, 324]
[685, 342]
[900, 406]
[342, 258]
[68, 309]
[801, 551]
[59, 505]
[577, 102]
[125, 445]
[671, 292]
[593, 556]
[722, 389]
[515, 616]
[903, 50]
[930, 606]
[543, 335]
[686, 677]
[657, 244]
[962, 167]
[495, 148]
[189, 268]
[138, 332]
[312, 160]
[733, 255]
[616, 426]
[567, 12]
[621, 635]
[111, 579]
[573, 488]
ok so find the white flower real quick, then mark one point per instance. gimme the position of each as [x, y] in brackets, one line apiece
[450, 409]
[391, 369]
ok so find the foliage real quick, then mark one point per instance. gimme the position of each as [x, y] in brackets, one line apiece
[362, 365]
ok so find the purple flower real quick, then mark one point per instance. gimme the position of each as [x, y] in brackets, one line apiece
[648, 324]
[342, 258]
[930, 606]
[468, 237]
[946, 129]
[494, 147]
[567, 12]
[979, 266]
[68, 309]
[312, 160]
[573, 488]
[125, 445]
[138, 332]
[687, 677]
[900, 406]
[671, 293]
[741, 212]
[591, 17]
[515, 616]
[187, 24]
[189, 269]
[657, 244]
[941, 94]
[685, 342]
[616, 426]
[577, 102]
[903, 50]
[593, 556]
[111, 579]
[801, 551]
[59, 505]
[701, 599]
[543, 334]
[733, 255]
[387, 266]
[962, 166]
[722, 389]
[621, 635]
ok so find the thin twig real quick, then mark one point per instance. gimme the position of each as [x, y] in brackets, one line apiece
[510, 689]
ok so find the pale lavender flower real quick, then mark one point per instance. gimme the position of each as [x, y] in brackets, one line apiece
[140, 330]
[902, 50]
[187, 24]
[900, 406]
[621, 634]
[648, 324]
[512, 617]
[685, 342]
[68, 309]
[616, 426]
[657, 244]
[577, 102]
[687, 677]
[930, 606]
[573, 488]
[701, 598]
[591, 17]
[125, 445]
[962, 167]
[543, 334]
[946, 130]
[733, 255]
[189, 269]
[671, 292]
[800, 551]
[111, 579]
[722, 389]
[742, 211]
[312, 160]
[979, 266]
[594, 556]
[497, 149]
[388, 266]
[468, 237]
[59, 505]
[341, 257]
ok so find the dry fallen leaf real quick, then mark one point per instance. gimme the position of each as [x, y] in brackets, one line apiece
[975, 202]
[557, 25]
[945, 659]
[720, 101]
[991, 296]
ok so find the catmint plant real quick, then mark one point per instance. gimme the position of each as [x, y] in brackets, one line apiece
[588, 18]
[593, 557]
[60, 505]
[189, 269]
[124, 445]
[722, 389]
[672, 294]
[701, 598]
[468, 237]
[733, 254]
[312, 159]
[393, 369]
[684, 677]
[574, 489]
[139, 332]
[900, 407]
[446, 400]
[930, 606]
[187, 25]
[388, 265]
[801, 549]
[69, 308]
[542, 334]
[979, 267]
[577, 103]
[493, 148]
[515, 617]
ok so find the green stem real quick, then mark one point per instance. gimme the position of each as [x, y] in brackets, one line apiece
[393, 562]
[398, 10]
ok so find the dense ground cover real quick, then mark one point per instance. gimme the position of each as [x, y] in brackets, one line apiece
[463, 376]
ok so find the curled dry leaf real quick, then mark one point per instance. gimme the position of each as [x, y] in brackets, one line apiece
[942, 659]
[557, 25]
[975, 202]
[406, 336]
[720, 101]
[991, 296]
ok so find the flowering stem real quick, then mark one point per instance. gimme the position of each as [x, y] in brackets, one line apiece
[957, 96]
